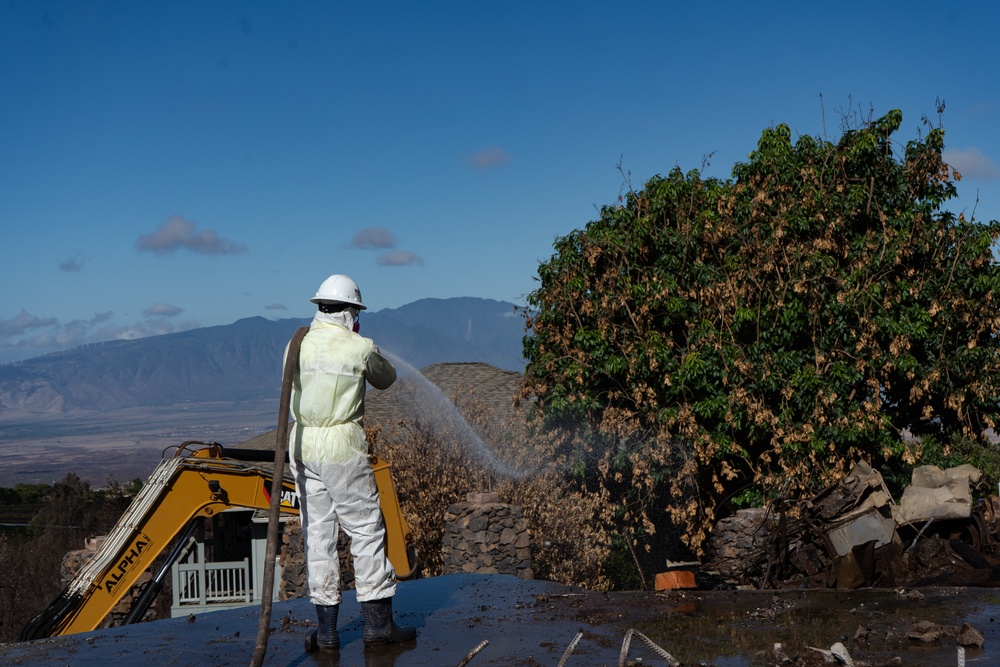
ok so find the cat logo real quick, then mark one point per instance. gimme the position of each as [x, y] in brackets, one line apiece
[289, 497]
[140, 544]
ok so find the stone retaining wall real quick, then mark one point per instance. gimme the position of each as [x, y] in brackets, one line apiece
[485, 536]
[737, 538]
[292, 558]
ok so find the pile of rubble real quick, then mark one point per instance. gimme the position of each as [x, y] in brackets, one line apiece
[853, 534]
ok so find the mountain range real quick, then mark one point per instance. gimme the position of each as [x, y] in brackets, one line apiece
[242, 361]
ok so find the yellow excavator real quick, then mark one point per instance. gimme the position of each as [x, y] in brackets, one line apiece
[199, 480]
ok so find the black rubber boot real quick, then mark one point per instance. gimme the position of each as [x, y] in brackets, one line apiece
[380, 628]
[325, 637]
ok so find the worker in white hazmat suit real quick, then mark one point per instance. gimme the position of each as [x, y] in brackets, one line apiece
[328, 455]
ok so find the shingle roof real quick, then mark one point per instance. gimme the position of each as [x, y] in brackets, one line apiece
[461, 384]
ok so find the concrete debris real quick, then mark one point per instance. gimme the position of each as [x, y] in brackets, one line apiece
[969, 636]
[780, 657]
[927, 632]
[839, 652]
[853, 535]
[836, 654]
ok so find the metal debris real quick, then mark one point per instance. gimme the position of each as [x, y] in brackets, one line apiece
[570, 648]
[472, 654]
[671, 661]
[623, 656]
[853, 534]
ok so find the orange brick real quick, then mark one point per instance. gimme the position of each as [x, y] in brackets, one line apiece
[666, 581]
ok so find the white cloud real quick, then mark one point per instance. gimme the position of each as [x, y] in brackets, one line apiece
[971, 163]
[373, 238]
[72, 264]
[399, 258]
[23, 322]
[151, 327]
[987, 108]
[35, 336]
[177, 233]
[275, 306]
[162, 310]
[27, 332]
[489, 157]
[60, 337]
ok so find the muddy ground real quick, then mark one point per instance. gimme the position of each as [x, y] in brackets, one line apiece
[533, 623]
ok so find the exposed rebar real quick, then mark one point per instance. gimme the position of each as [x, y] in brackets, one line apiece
[570, 648]
[472, 654]
[671, 660]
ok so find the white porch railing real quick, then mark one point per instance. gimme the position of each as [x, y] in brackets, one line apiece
[200, 583]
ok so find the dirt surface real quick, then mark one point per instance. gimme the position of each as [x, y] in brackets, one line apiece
[530, 623]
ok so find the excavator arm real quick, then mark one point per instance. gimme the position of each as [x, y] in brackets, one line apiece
[200, 484]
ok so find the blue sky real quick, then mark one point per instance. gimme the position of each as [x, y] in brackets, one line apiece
[168, 165]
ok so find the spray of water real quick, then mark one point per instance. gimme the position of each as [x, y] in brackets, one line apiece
[435, 407]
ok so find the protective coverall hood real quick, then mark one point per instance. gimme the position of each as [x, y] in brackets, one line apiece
[344, 318]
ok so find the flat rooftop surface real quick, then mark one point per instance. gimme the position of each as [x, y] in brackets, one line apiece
[536, 622]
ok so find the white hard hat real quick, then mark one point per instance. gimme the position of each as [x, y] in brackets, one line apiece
[339, 288]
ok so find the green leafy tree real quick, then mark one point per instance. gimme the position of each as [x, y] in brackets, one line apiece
[761, 334]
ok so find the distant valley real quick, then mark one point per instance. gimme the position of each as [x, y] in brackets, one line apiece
[107, 410]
